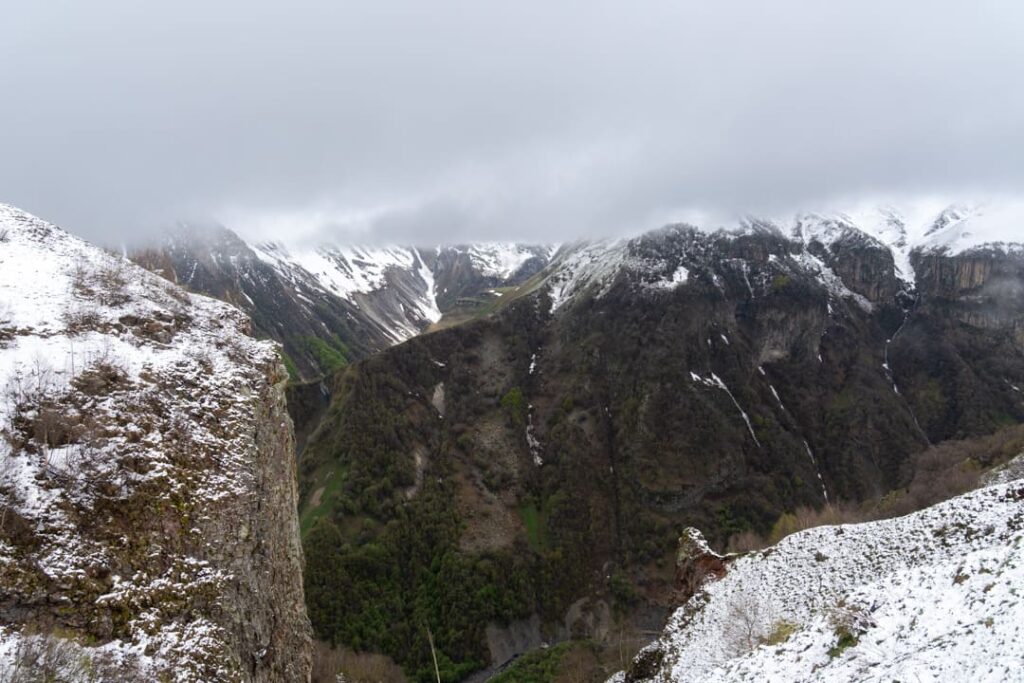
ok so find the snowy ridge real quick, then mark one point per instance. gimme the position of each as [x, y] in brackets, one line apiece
[665, 260]
[343, 271]
[937, 595]
[347, 271]
[578, 267]
[668, 258]
[119, 392]
[952, 230]
[502, 260]
[656, 261]
[883, 227]
[356, 300]
[396, 286]
[965, 228]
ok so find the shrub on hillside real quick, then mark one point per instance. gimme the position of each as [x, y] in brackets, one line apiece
[940, 472]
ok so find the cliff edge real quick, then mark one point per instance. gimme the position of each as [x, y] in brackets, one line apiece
[148, 525]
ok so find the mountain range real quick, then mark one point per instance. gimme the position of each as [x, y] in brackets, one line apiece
[332, 303]
[534, 464]
[329, 305]
[499, 445]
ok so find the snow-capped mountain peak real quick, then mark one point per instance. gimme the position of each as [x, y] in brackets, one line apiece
[962, 228]
[955, 229]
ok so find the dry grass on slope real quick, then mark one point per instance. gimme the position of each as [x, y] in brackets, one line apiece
[940, 472]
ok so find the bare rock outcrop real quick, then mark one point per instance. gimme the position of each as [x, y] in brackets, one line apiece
[696, 563]
[148, 520]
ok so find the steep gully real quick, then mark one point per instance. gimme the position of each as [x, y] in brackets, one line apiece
[889, 372]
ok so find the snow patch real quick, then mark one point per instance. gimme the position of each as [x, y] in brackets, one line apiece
[715, 381]
[181, 379]
[679, 276]
[932, 596]
[536, 449]
[502, 260]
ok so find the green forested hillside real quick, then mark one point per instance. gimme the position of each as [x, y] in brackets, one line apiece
[540, 464]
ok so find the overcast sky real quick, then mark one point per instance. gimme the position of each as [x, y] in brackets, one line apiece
[447, 121]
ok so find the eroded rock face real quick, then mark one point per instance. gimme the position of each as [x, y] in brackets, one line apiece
[959, 355]
[952, 276]
[983, 288]
[866, 270]
[269, 625]
[148, 525]
[696, 563]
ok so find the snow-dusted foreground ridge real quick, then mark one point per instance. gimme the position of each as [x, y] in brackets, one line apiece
[934, 596]
[147, 496]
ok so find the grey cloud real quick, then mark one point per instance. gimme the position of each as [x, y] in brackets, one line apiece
[448, 121]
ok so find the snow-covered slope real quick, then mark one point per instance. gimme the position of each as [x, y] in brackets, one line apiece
[147, 496]
[330, 304]
[577, 267]
[819, 241]
[356, 274]
[399, 286]
[664, 260]
[937, 595]
[344, 271]
[963, 228]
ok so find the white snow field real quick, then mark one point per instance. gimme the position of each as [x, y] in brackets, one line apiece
[175, 424]
[937, 595]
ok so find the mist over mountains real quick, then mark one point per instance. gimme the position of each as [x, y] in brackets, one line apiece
[520, 430]
[561, 342]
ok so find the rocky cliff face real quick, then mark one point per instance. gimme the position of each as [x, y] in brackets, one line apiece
[958, 354]
[696, 564]
[147, 491]
[271, 629]
[991, 272]
[628, 390]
